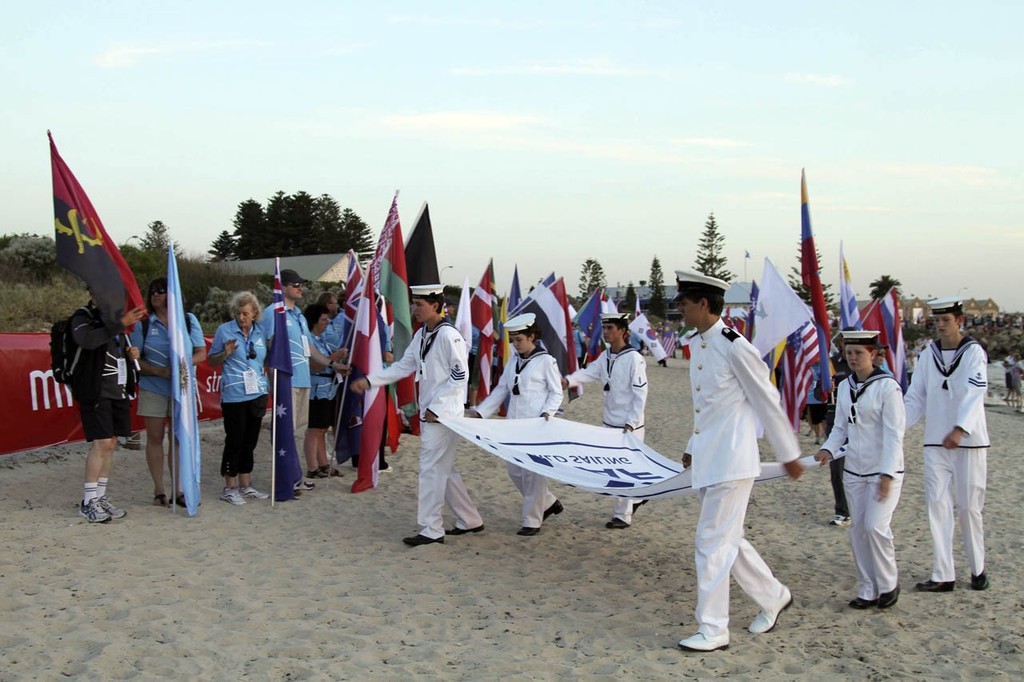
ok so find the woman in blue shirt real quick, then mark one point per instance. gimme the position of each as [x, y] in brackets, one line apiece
[155, 405]
[322, 392]
[240, 348]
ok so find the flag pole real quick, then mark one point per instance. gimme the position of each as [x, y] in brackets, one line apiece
[171, 452]
[273, 446]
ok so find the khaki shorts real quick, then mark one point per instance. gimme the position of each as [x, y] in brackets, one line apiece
[154, 405]
[300, 408]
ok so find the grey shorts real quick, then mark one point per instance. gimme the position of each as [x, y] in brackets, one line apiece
[153, 404]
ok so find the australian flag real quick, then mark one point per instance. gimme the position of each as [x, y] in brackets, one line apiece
[287, 470]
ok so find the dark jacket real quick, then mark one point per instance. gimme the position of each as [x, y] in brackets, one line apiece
[93, 335]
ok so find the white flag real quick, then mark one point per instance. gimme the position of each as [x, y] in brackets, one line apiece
[779, 311]
[642, 328]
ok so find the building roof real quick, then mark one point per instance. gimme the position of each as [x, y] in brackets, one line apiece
[324, 267]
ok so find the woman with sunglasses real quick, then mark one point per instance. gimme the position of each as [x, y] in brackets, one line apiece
[240, 348]
[868, 433]
[152, 339]
[533, 386]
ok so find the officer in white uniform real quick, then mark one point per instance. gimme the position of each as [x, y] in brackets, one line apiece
[533, 387]
[438, 356]
[622, 373]
[870, 421]
[948, 391]
[731, 392]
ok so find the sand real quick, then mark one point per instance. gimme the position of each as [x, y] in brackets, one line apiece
[322, 588]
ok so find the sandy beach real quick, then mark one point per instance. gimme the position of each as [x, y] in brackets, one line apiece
[322, 588]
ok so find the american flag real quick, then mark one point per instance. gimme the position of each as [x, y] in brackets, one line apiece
[797, 375]
[669, 341]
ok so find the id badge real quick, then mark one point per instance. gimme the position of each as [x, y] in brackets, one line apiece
[122, 372]
[305, 346]
[252, 381]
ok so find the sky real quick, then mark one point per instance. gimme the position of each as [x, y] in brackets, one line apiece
[544, 133]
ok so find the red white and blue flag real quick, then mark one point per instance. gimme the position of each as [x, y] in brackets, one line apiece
[798, 358]
[884, 317]
[482, 315]
[811, 276]
[366, 359]
[287, 470]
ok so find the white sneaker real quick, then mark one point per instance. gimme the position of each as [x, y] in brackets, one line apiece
[840, 520]
[304, 485]
[701, 643]
[766, 620]
[252, 493]
[232, 496]
[114, 512]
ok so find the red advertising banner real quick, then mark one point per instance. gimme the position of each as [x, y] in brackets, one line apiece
[36, 411]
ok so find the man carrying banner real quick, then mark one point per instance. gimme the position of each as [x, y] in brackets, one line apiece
[731, 392]
[949, 393]
[622, 372]
[101, 384]
[437, 355]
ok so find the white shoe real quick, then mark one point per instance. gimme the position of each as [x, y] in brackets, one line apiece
[701, 643]
[840, 520]
[232, 496]
[304, 484]
[766, 620]
[252, 493]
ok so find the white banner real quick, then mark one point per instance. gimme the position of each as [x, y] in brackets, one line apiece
[641, 326]
[594, 458]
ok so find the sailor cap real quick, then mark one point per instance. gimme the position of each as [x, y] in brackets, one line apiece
[520, 323]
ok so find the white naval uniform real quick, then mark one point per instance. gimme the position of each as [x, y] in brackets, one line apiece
[534, 388]
[731, 392]
[624, 378]
[439, 359]
[870, 421]
[948, 390]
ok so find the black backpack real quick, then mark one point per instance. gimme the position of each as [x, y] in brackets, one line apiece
[64, 352]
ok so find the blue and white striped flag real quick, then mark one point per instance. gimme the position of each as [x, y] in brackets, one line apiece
[183, 390]
[849, 315]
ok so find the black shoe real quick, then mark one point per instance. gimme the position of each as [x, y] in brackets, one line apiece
[555, 508]
[932, 586]
[889, 598]
[858, 603]
[417, 540]
[463, 531]
[616, 522]
[637, 505]
[526, 530]
[979, 582]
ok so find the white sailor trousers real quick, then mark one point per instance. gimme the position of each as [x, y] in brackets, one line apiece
[955, 476]
[721, 550]
[871, 537]
[440, 482]
[536, 496]
[623, 508]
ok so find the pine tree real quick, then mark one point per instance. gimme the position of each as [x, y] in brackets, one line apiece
[656, 302]
[250, 230]
[629, 303]
[303, 239]
[356, 234]
[710, 259]
[156, 238]
[328, 224]
[591, 278]
[796, 281]
[223, 247]
[278, 237]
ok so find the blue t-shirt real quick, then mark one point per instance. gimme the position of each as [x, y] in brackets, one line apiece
[232, 383]
[156, 349]
[323, 386]
[336, 331]
[297, 328]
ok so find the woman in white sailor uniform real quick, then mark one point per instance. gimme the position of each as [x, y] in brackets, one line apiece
[868, 433]
[533, 386]
[621, 370]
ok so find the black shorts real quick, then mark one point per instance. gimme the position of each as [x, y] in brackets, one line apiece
[817, 412]
[106, 419]
[321, 413]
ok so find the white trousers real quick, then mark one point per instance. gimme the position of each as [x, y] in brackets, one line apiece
[955, 476]
[536, 496]
[721, 551]
[441, 483]
[623, 507]
[871, 535]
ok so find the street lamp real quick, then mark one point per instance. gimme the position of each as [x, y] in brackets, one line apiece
[441, 276]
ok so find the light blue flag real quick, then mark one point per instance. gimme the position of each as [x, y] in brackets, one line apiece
[185, 420]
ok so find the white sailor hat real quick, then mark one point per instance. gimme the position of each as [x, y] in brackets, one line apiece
[427, 290]
[951, 304]
[520, 323]
[860, 337]
[687, 280]
[615, 317]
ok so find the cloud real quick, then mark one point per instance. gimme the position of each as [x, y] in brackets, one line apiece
[129, 55]
[427, 20]
[460, 121]
[825, 80]
[579, 67]
[945, 174]
[344, 49]
[713, 142]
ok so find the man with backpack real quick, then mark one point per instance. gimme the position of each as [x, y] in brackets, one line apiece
[103, 378]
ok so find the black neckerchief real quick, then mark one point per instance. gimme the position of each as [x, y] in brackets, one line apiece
[610, 364]
[945, 370]
[521, 364]
[427, 341]
[857, 390]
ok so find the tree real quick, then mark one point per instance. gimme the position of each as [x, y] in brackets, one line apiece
[156, 238]
[797, 282]
[880, 287]
[656, 302]
[223, 247]
[591, 277]
[710, 260]
[356, 234]
[328, 224]
[250, 230]
[630, 299]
